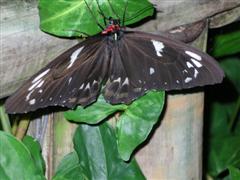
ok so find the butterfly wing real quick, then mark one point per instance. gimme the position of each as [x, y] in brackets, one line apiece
[142, 61]
[74, 77]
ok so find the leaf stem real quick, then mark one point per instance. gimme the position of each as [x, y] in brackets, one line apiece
[15, 125]
[4, 119]
[22, 127]
[234, 116]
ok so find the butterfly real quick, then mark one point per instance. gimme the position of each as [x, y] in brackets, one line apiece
[124, 64]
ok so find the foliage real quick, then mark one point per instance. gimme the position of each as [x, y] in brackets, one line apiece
[227, 41]
[80, 17]
[95, 156]
[96, 149]
[222, 136]
[20, 160]
[134, 124]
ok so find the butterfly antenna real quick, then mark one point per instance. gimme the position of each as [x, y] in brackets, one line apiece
[93, 15]
[139, 13]
[101, 13]
[124, 13]
[114, 12]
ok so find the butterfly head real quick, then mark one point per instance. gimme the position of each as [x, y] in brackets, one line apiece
[113, 28]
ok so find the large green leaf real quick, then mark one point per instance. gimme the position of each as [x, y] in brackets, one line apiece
[224, 152]
[227, 41]
[231, 67]
[98, 155]
[35, 150]
[69, 168]
[219, 119]
[94, 113]
[234, 173]
[224, 146]
[69, 18]
[137, 121]
[16, 161]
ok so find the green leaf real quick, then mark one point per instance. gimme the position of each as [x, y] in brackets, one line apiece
[16, 161]
[219, 118]
[227, 42]
[98, 155]
[224, 152]
[223, 145]
[234, 173]
[35, 150]
[94, 113]
[74, 18]
[231, 67]
[137, 121]
[69, 168]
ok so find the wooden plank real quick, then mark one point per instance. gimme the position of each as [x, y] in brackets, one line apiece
[178, 12]
[177, 139]
[175, 148]
[25, 49]
[225, 18]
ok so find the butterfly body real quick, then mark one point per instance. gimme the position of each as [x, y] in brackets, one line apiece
[125, 63]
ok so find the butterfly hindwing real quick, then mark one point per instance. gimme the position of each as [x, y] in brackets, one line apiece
[144, 61]
[127, 67]
[120, 86]
[73, 78]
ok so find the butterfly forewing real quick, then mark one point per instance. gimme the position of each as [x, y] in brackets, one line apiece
[72, 78]
[127, 67]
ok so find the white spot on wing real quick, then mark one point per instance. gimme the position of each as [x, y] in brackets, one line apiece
[177, 81]
[32, 101]
[151, 70]
[188, 79]
[28, 95]
[40, 84]
[126, 81]
[195, 73]
[69, 80]
[180, 29]
[189, 65]
[196, 63]
[87, 86]
[81, 87]
[34, 85]
[40, 91]
[74, 56]
[40, 76]
[117, 80]
[158, 47]
[194, 55]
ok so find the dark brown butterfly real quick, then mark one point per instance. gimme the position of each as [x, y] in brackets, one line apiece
[126, 63]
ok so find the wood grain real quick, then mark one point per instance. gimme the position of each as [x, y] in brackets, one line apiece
[25, 49]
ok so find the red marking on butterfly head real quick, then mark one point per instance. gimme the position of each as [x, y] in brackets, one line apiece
[113, 26]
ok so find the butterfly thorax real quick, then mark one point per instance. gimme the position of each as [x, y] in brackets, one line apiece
[113, 30]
